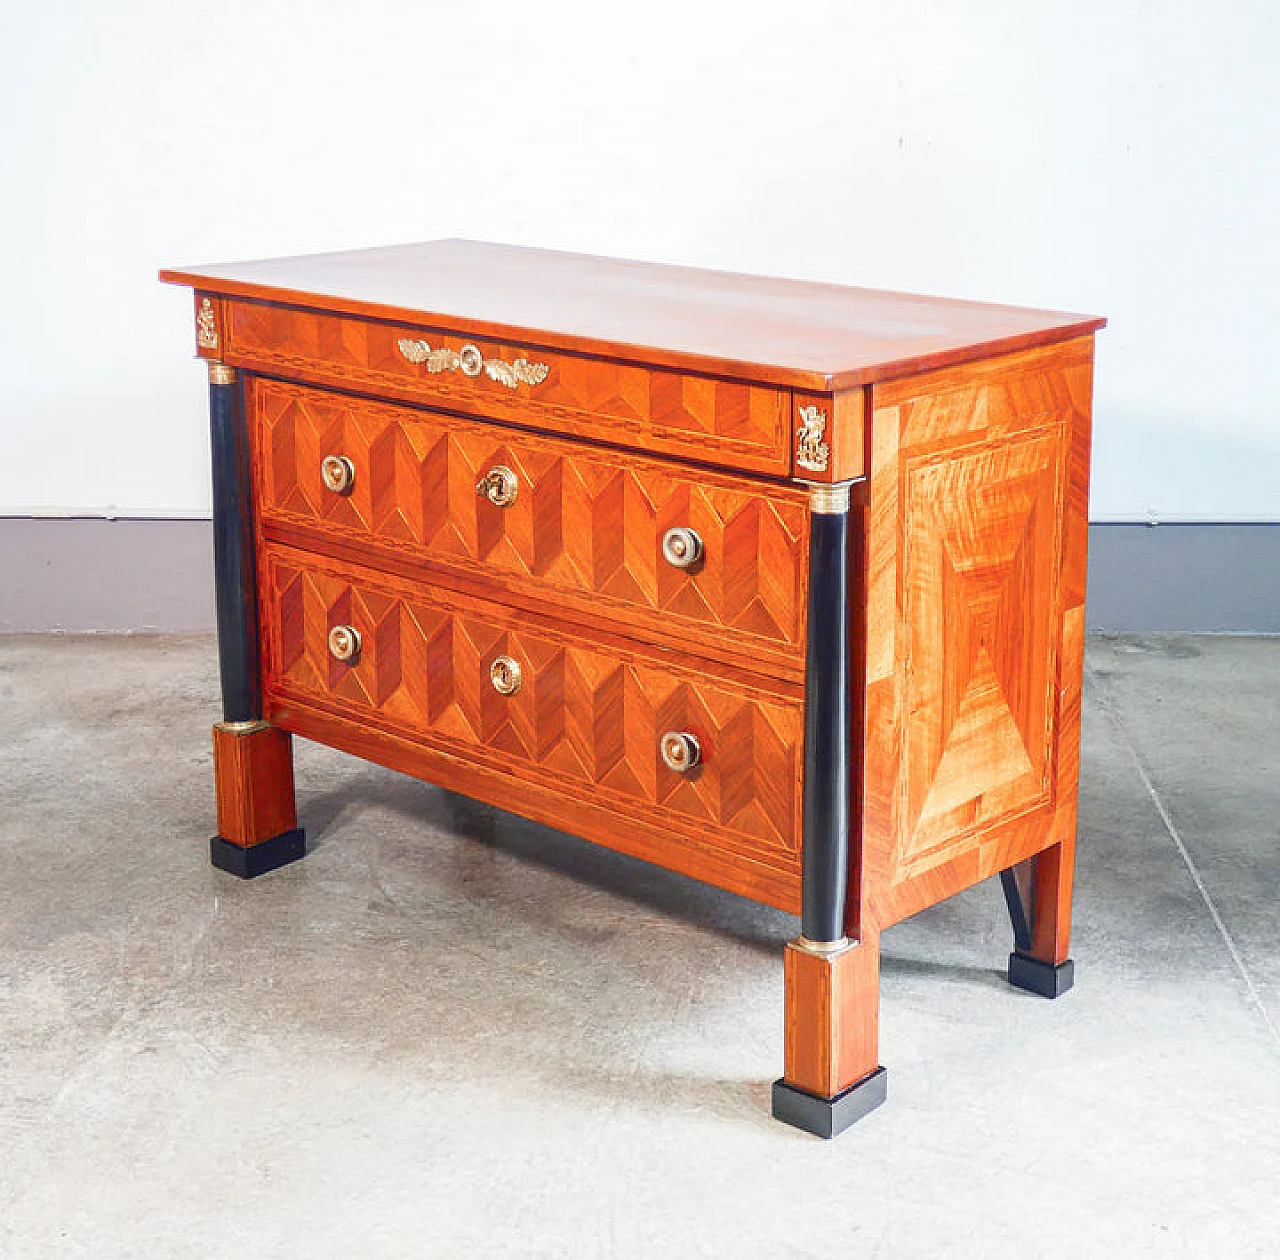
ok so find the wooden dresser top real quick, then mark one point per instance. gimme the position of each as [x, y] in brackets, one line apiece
[784, 332]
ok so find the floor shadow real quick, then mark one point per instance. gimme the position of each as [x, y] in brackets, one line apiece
[984, 977]
[642, 883]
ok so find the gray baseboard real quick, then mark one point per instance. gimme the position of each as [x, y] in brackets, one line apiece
[153, 575]
[1213, 578]
[113, 576]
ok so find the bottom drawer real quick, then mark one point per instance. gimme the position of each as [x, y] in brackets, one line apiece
[588, 720]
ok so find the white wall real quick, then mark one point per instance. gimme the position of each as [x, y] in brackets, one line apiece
[1098, 155]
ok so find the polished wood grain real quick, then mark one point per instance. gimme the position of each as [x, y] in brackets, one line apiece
[253, 777]
[584, 533]
[974, 621]
[792, 333]
[832, 1017]
[701, 418]
[588, 718]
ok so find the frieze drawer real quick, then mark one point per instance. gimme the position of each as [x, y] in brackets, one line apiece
[704, 418]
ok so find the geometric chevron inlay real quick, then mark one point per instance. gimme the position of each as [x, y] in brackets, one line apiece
[586, 719]
[586, 524]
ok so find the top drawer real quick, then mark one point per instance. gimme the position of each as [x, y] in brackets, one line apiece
[695, 557]
[713, 421]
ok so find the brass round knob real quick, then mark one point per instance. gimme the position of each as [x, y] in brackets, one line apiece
[682, 547]
[499, 486]
[344, 643]
[506, 676]
[680, 751]
[470, 360]
[338, 473]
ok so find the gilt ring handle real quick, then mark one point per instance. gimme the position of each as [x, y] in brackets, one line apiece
[338, 474]
[344, 643]
[682, 547]
[680, 751]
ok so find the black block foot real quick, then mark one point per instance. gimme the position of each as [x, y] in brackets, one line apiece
[1041, 977]
[260, 858]
[825, 1117]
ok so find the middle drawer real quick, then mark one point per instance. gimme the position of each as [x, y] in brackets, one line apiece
[671, 551]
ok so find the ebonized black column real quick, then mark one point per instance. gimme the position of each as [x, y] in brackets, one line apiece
[827, 718]
[1019, 909]
[233, 561]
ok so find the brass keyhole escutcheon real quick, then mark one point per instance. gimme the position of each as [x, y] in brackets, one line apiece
[680, 751]
[338, 474]
[344, 643]
[499, 486]
[682, 547]
[506, 676]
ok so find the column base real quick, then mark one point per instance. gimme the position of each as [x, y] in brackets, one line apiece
[1040, 977]
[254, 860]
[825, 1117]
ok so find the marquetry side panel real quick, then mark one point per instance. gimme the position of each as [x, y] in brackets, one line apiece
[975, 602]
[701, 418]
[587, 718]
[586, 526]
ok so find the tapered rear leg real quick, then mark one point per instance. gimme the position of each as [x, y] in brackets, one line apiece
[1038, 894]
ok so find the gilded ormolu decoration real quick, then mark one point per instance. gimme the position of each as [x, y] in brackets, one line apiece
[829, 499]
[470, 362]
[811, 451]
[206, 326]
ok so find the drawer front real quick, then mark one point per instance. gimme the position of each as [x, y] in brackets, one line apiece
[712, 421]
[586, 719]
[585, 529]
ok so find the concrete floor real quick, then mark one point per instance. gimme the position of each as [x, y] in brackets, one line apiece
[450, 1032]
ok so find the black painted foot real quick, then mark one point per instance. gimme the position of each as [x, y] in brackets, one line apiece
[260, 858]
[825, 1117]
[1041, 977]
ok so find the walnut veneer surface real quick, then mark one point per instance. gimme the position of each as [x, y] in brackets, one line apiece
[559, 511]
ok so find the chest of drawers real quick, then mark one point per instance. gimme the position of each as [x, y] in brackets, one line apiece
[776, 584]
